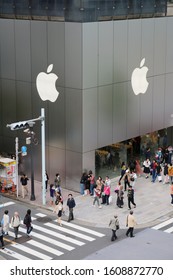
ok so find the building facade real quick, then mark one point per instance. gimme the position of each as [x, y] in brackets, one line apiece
[96, 107]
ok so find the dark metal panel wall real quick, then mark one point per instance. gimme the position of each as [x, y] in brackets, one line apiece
[105, 53]
[7, 49]
[22, 50]
[119, 112]
[90, 55]
[90, 121]
[73, 55]
[105, 115]
[120, 51]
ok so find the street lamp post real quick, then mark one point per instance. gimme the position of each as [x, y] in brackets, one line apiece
[32, 167]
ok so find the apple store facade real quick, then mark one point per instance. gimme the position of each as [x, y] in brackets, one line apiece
[98, 108]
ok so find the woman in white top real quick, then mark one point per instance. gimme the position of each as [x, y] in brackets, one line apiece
[15, 223]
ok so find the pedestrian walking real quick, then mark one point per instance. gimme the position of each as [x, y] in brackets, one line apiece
[71, 204]
[120, 197]
[97, 193]
[28, 222]
[1, 236]
[92, 182]
[146, 165]
[154, 170]
[46, 180]
[5, 222]
[165, 174]
[52, 193]
[59, 209]
[114, 226]
[130, 223]
[15, 223]
[130, 196]
[24, 182]
[107, 190]
[126, 179]
[82, 183]
[171, 193]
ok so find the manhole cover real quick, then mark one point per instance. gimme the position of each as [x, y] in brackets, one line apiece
[44, 219]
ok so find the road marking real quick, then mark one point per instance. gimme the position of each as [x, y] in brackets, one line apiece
[31, 251]
[93, 232]
[163, 224]
[6, 204]
[41, 215]
[169, 230]
[14, 254]
[58, 235]
[70, 232]
[50, 240]
[44, 247]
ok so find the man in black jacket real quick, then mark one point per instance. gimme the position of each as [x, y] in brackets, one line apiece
[24, 182]
[130, 196]
[71, 204]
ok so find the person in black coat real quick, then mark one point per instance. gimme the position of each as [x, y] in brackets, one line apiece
[28, 222]
[71, 204]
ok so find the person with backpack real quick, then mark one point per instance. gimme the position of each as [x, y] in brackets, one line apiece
[28, 222]
[15, 223]
[114, 226]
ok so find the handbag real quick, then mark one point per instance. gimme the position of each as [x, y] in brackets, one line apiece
[117, 227]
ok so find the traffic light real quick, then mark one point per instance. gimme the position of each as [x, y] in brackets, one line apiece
[20, 125]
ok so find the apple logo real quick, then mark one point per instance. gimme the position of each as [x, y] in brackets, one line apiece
[45, 83]
[138, 79]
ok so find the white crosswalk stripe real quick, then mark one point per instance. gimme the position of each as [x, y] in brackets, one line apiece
[6, 204]
[72, 232]
[31, 251]
[48, 240]
[166, 226]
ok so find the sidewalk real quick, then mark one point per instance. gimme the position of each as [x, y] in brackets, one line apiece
[152, 200]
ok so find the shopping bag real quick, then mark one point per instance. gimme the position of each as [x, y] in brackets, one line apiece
[159, 178]
[110, 199]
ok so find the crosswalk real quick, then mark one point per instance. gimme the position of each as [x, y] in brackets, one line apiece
[166, 226]
[48, 240]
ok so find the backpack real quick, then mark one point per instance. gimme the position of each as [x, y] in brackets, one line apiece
[25, 221]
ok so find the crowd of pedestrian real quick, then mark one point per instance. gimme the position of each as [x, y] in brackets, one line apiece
[154, 167]
[160, 168]
[14, 223]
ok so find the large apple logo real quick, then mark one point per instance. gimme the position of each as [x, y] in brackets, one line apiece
[45, 83]
[138, 79]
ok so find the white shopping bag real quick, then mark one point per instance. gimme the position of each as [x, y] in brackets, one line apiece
[159, 178]
[110, 199]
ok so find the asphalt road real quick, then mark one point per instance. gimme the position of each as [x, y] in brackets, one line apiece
[80, 242]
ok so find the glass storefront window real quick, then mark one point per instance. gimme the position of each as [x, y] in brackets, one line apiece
[108, 159]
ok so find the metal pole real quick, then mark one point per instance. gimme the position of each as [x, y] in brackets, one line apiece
[17, 161]
[32, 168]
[43, 155]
